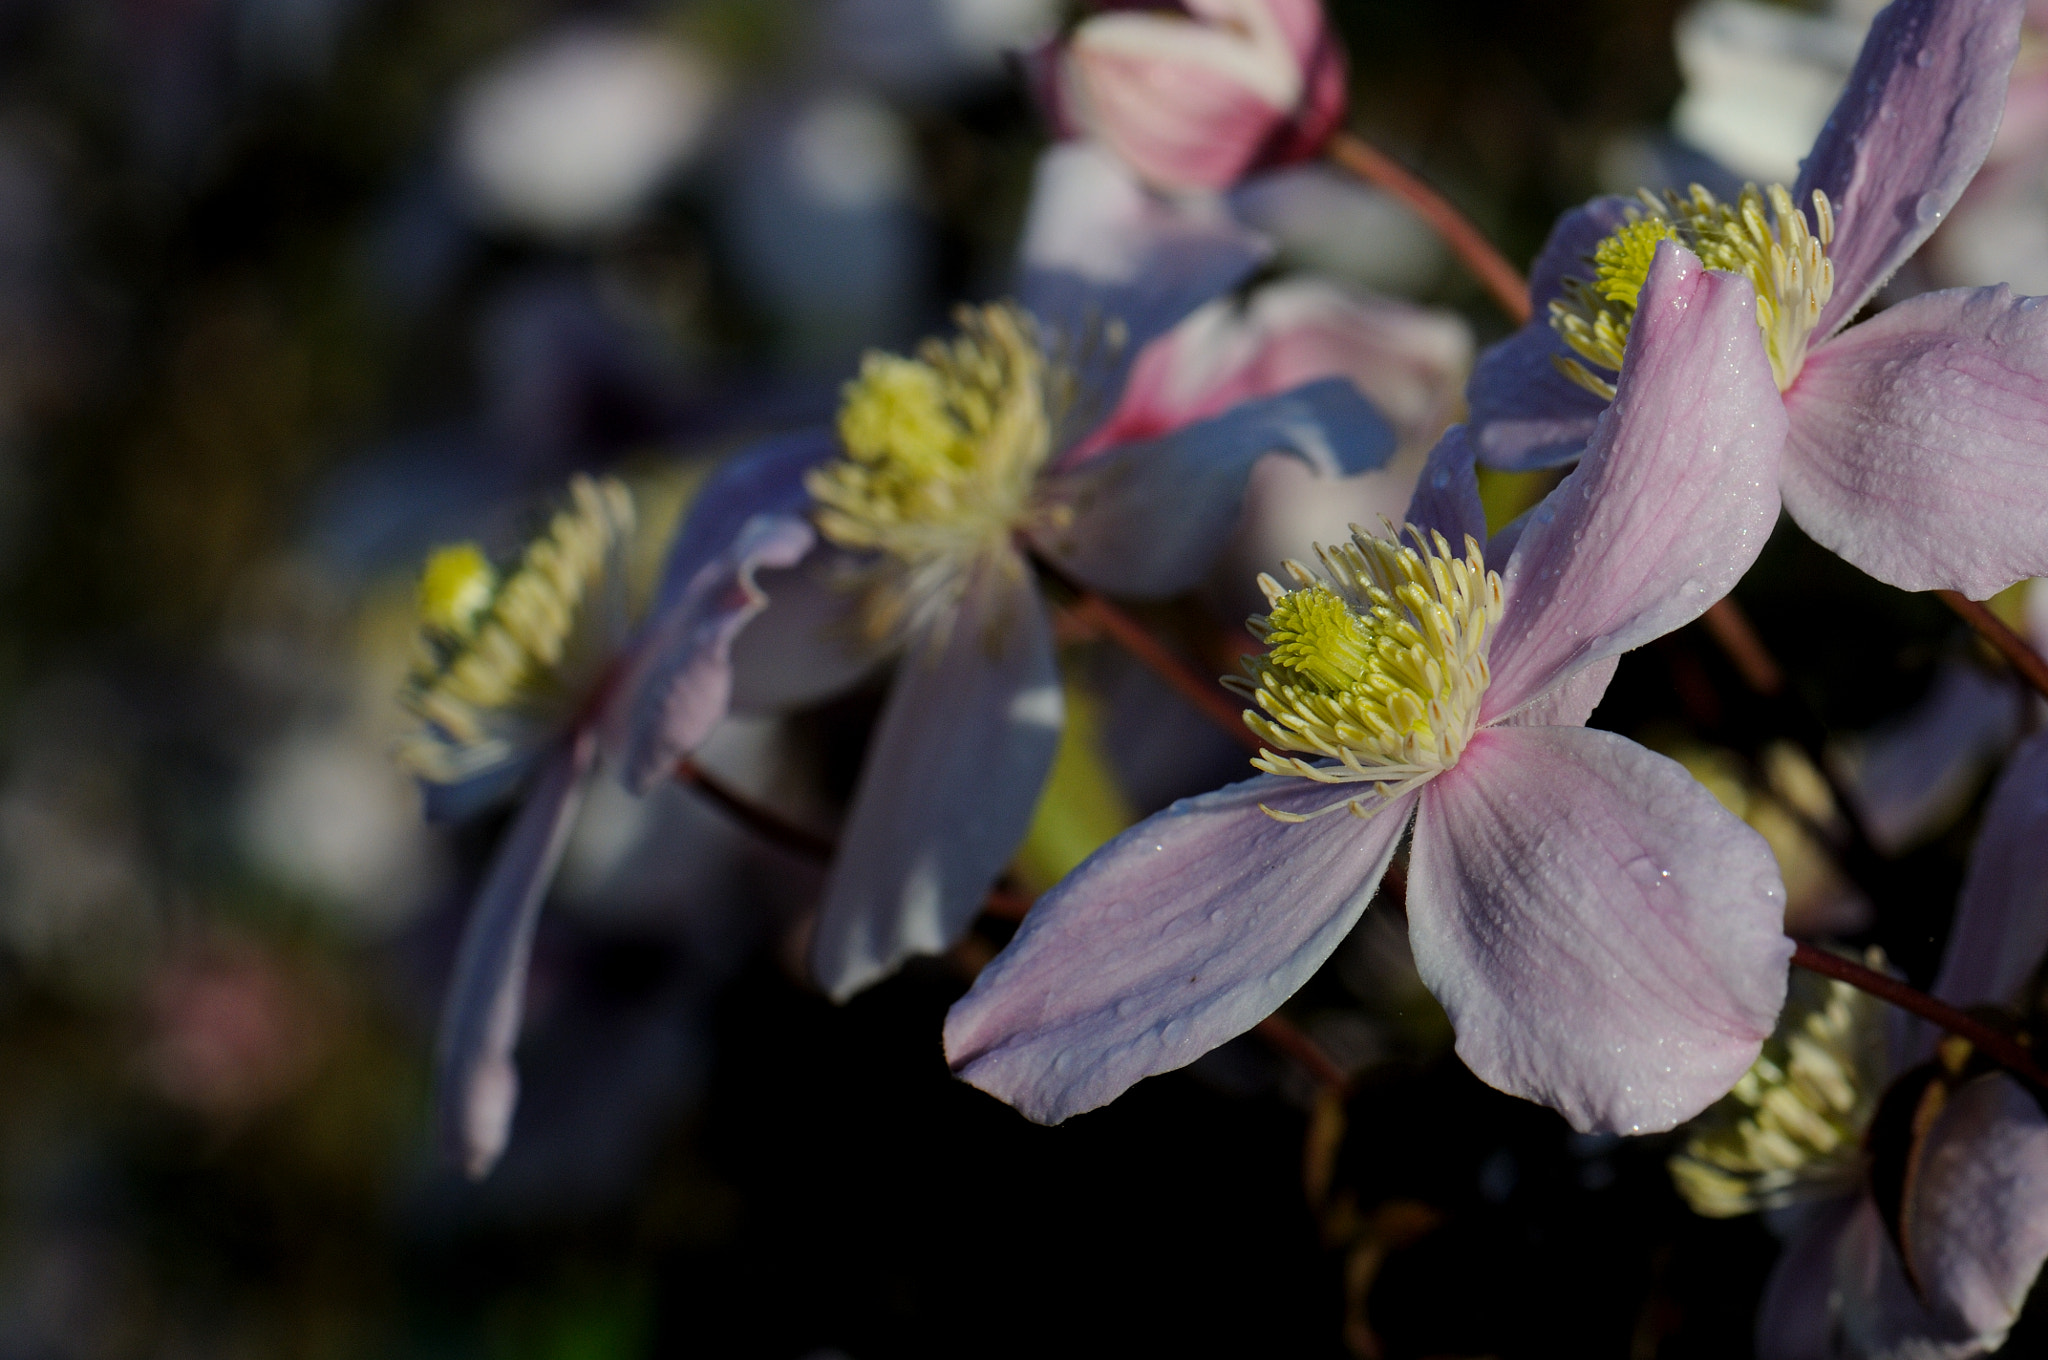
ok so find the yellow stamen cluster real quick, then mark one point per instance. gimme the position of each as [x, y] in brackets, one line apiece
[1377, 664]
[1792, 1128]
[940, 455]
[488, 649]
[1783, 259]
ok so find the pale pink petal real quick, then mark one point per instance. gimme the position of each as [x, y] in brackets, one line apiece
[1604, 935]
[1876, 1310]
[1796, 1319]
[1919, 442]
[1673, 501]
[477, 1086]
[678, 684]
[952, 773]
[1178, 935]
[1914, 775]
[1913, 124]
[1147, 519]
[2001, 925]
[1446, 497]
[1570, 702]
[810, 645]
[1976, 1220]
[1409, 361]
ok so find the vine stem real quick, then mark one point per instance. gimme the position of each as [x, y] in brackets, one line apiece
[1994, 630]
[1094, 612]
[2013, 1056]
[1466, 241]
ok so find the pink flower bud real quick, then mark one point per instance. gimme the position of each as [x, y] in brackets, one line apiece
[1195, 99]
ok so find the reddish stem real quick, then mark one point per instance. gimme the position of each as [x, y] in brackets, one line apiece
[1288, 1038]
[1194, 686]
[1466, 241]
[1993, 630]
[769, 826]
[2007, 1053]
[1730, 627]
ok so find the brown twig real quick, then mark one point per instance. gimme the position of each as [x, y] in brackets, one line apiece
[1730, 628]
[769, 826]
[2007, 1053]
[1194, 686]
[1993, 630]
[1466, 241]
[1288, 1038]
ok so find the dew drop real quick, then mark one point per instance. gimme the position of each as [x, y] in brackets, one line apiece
[1928, 210]
[1923, 59]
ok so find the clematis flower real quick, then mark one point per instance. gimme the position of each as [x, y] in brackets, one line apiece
[521, 678]
[1919, 438]
[1198, 98]
[1604, 936]
[1944, 1269]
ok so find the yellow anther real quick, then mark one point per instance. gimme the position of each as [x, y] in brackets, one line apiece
[1377, 664]
[1785, 261]
[456, 586]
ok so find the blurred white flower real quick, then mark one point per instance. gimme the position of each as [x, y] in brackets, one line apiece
[850, 152]
[572, 134]
[927, 46]
[1760, 79]
[1330, 223]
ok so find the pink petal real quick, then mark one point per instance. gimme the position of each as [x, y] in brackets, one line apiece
[1919, 443]
[1875, 1307]
[1977, 1218]
[1147, 519]
[1605, 936]
[1408, 360]
[477, 1084]
[1447, 494]
[1672, 502]
[678, 684]
[1796, 1319]
[1918, 114]
[1178, 935]
[1914, 775]
[2001, 925]
[952, 773]
[1571, 701]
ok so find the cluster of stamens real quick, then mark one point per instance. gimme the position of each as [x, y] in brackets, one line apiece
[1375, 666]
[1783, 259]
[1792, 1128]
[940, 454]
[490, 647]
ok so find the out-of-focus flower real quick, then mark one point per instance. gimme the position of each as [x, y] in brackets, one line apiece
[1197, 98]
[934, 46]
[1561, 879]
[523, 676]
[1327, 221]
[1918, 447]
[1759, 81]
[1958, 1156]
[573, 134]
[232, 1030]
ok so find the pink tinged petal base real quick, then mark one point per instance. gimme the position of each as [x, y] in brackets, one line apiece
[477, 1084]
[1180, 934]
[679, 683]
[1604, 935]
[1673, 501]
[2001, 926]
[1919, 442]
[952, 774]
[1914, 122]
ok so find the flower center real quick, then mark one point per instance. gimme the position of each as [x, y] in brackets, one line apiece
[940, 455]
[1377, 663]
[491, 651]
[1792, 1128]
[1785, 261]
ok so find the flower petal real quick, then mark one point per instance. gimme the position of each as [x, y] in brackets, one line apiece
[1977, 1219]
[1447, 494]
[477, 1084]
[1571, 701]
[1526, 414]
[952, 773]
[1913, 124]
[1796, 1318]
[1919, 443]
[1180, 934]
[678, 685]
[1100, 247]
[1673, 501]
[1605, 936]
[811, 645]
[767, 479]
[1915, 774]
[2001, 925]
[1147, 519]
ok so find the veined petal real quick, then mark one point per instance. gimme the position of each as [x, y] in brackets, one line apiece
[1913, 124]
[1605, 936]
[1147, 519]
[952, 774]
[477, 1084]
[2001, 926]
[678, 684]
[1180, 934]
[1919, 442]
[1571, 701]
[1447, 493]
[1672, 502]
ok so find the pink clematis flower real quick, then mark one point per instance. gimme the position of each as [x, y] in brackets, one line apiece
[1605, 938]
[1198, 98]
[1918, 448]
[1973, 1210]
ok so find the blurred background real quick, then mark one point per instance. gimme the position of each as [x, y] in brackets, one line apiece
[292, 291]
